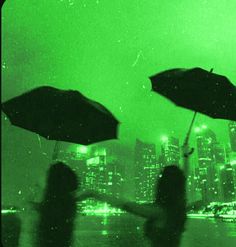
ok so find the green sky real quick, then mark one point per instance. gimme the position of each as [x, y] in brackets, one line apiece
[107, 49]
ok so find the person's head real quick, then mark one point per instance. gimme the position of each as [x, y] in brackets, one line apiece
[61, 179]
[57, 210]
[170, 190]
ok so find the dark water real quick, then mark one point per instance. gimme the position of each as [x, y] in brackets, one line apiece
[126, 230]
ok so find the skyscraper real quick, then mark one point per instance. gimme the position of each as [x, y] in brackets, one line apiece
[170, 151]
[115, 172]
[104, 172]
[232, 135]
[206, 171]
[227, 183]
[75, 156]
[219, 153]
[96, 172]
[220, 158]
[146, 171]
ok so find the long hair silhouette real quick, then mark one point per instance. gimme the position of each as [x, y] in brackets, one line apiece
[171, 196]
[58, 208]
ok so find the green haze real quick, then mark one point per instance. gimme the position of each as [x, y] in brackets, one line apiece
[107, 49]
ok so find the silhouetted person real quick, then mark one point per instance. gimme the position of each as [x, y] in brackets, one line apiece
[58, 208]
[171, 198]
[165, 217]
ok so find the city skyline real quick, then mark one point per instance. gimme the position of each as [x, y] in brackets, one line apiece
[126, 157]
[212, 175]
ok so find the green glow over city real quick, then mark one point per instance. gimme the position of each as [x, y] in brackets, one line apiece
[164, 138]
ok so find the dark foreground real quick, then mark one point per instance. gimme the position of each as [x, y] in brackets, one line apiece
[126, 230]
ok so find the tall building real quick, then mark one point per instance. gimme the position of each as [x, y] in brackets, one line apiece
[206, 171]
[146, 171]
[96, 172]
[232, 135]
[76, 156]
[234, 176]
[170, 151]
[104, 172]
[97, 167]
[232, 151]
[115, 172]
[227, 183]
[220, 159]
[219, 153]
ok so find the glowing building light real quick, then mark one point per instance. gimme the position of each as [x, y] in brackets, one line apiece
[82, 149]
[104, 232]
[102, 210]
[233, 162]
[164, 138]
[9, 211]
[93, 161]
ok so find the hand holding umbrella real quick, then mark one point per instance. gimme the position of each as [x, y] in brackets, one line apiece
[198, 90]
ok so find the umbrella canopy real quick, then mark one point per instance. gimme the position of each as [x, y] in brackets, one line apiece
[198, 90]
[61, 115]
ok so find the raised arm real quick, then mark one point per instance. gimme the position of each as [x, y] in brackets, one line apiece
[195, 205]
[186, 152]
[142, 210]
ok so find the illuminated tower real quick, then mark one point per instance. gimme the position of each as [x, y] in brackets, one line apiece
[115, 178]
[233, 164]
[146, 171]
[103, 174]
[104, 171]
[220, 159]
[206, 171]
[227, 183]
[232, 135]
[96, 174]
[219, 153]
[170, 151]
[75, 156]
[115, 171]
[76, 152]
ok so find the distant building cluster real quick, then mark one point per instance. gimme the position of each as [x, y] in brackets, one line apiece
[97, 167]
[212, 174]
[211, 178]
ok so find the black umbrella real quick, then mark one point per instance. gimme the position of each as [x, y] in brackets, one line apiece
[61, 115]
[198, 90]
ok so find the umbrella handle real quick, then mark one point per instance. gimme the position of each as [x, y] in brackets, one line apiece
[189, 131]
[191, 125]
[56, 151]
[189, 153]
